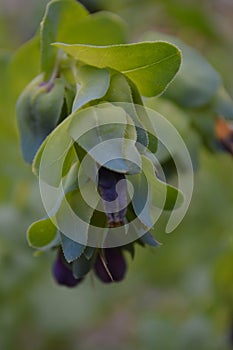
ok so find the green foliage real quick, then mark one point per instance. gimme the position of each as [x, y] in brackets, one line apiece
[41, 233]
[72, 250]
[35, 104]
[149, 239]
[109, 123]
[122, 90]
[116, 74]
[59, 14]
[82, 266]
[68, 21]
[111, 77]
[163, 195]
[92, 84]
[61, 142]
[137, 61]
[199, 92]
[177, 281]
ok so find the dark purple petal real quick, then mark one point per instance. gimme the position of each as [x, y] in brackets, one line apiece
[62, 272]
[109, 178]
[114, 195]
[116, 264]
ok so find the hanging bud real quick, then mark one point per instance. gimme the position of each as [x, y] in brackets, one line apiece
[38, 110]
[62, 272]
[111, 267]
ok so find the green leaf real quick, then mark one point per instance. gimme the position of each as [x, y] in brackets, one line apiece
[150, 65]
[149, 239]
[70, 181]
[104, 126]
[74, 214]
[70, 92]
[89, 251]
[49, 160]
[71, 249]
[163, 196]
[102, 28]
[38, 112]
[69, 160]
[82, 266]
[59, 15]
[41, 233]
[140, 202]
[197, 81]
[98, 228]
[92, 84]
[120, 91]
[152, 141]
[55, 197]
[68, 21]
[37, 159]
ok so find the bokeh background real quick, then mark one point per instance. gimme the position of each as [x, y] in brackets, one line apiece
[179, 296]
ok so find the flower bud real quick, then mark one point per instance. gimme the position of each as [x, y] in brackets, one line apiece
[38, 111]
[62, 272]
[116, 265]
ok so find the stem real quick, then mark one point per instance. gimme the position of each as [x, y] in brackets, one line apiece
[55, 73]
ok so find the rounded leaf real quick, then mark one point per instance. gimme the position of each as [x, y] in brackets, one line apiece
[41, 233]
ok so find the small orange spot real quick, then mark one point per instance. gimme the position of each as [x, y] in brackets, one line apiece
[115, 224]
[224, 134]
[222, 129]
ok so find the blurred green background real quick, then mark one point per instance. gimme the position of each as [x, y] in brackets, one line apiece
[179, 296]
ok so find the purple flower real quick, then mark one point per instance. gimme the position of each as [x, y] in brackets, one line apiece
[116, 265]
[62, 272]
[113, 190]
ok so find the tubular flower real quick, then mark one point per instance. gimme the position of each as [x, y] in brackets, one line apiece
[113, 190]
[115, 266]
[62, 272]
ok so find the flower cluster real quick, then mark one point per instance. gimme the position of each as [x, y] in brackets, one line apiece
[108, 264]
[85, 97]
[111, 267]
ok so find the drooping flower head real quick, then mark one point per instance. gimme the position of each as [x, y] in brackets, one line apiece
[115, 268]
[62, 272]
